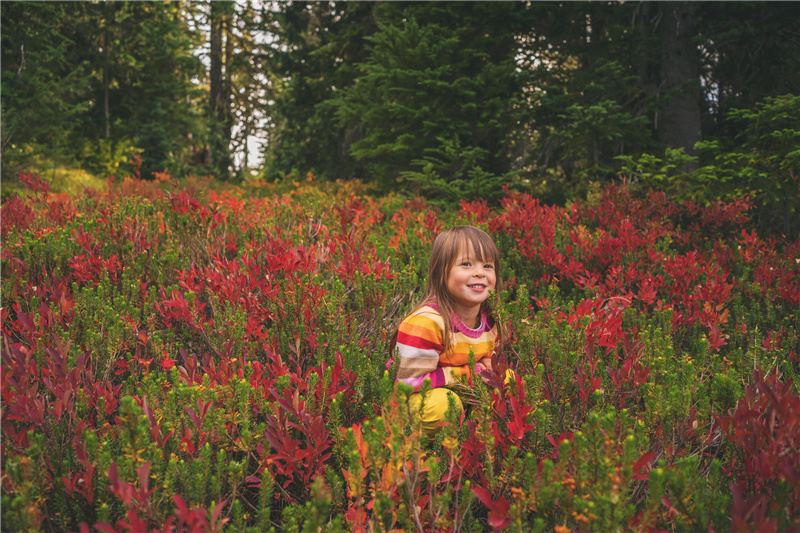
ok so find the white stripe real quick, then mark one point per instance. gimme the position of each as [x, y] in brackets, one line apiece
[413, 352]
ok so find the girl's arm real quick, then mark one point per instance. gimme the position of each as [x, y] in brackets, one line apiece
[419, 346]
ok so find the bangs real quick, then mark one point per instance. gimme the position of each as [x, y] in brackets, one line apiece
[479, 242]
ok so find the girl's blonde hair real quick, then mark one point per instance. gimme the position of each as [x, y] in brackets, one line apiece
[446, 249]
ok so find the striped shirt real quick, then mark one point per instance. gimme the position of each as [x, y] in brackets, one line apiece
[420, 347]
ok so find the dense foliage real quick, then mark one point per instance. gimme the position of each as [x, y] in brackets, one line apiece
[448, 99]
[204, 361]
[196, 356]
[445, 100]
[87, 83]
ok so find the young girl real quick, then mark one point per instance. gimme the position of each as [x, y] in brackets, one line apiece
[435, 339]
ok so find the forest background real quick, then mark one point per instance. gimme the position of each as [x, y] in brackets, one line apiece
[215, 214]
[445, 100]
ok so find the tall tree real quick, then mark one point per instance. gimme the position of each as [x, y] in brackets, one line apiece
[96, 80]
[153, 97]
[220, 38]
[589, 93]
[679, 126]
[435, 102]
[314, 55]
[43, 90]
[167, 92]
[751, 51]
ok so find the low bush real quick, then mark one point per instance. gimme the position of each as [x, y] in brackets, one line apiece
[184, 361]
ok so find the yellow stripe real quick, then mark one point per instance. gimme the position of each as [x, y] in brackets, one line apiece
[421, 331]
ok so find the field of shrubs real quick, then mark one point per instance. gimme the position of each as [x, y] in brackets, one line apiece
[181, 358]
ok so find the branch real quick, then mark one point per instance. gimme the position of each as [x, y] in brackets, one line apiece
[7, 139]
[411, 500]
[22, 63]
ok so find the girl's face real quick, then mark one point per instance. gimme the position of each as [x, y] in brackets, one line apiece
[469, 282]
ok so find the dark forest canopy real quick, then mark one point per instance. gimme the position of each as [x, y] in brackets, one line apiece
[447, 100]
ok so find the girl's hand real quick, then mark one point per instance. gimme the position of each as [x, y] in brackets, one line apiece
[481, 368]
[486, 363]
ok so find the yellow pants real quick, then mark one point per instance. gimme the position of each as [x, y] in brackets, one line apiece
[436, 404]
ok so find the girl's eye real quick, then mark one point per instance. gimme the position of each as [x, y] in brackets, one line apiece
[466, 264]
[489, 266]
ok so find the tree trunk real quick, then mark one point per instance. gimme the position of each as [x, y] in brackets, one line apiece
[218, 101]
[106, 67]
[645, 20]
[106, 114]
[679, 126]
[226, 113]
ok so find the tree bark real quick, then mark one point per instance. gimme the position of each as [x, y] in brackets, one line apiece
[215, 74]
[218, 101]
[679, 126]
[226, 113]
[645, 60]
[106, 112]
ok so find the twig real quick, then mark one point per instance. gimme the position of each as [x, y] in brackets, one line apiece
[411, 500]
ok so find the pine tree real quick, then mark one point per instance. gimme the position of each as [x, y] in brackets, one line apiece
[435, 104]
[315, 55]
[43, 92]
[160, 102]
[87, 83]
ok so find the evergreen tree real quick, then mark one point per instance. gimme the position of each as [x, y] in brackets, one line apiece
[154, 99]
[594, 78]
[220, 21]
[680, 73]
[751, 51]
[94, 81]
[610, 80]
[44, 87]
[435, 105]
[239, 81]
[316, 47]
[248, 80]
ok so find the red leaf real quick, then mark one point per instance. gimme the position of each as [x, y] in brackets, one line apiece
[643, 461]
